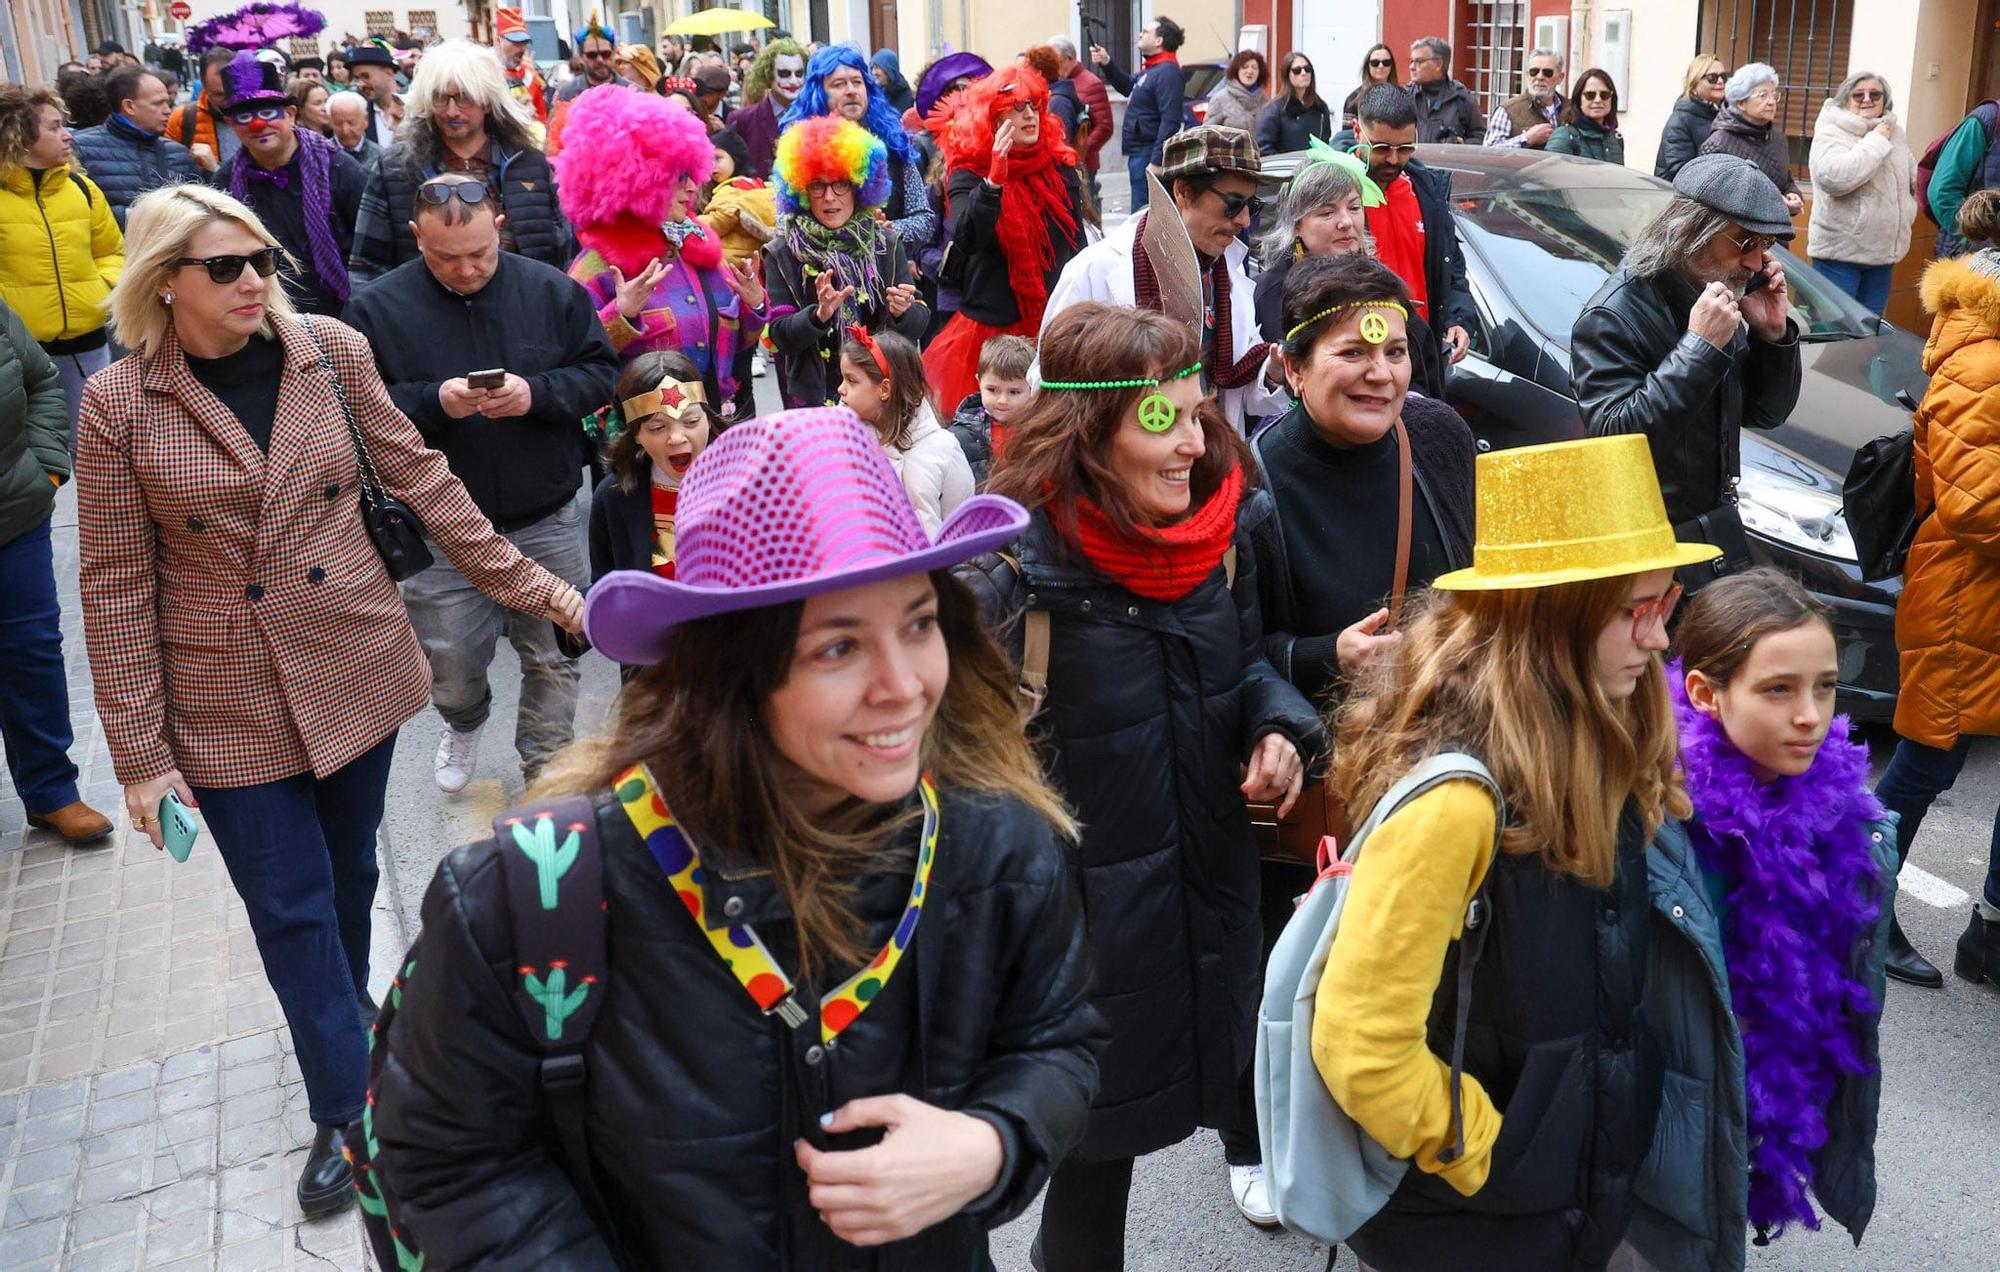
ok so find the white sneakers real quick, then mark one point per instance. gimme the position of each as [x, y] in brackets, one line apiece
[1252, 1195]
[457, 757]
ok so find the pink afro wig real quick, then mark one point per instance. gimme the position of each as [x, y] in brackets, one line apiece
[830, 148]
[624, 153]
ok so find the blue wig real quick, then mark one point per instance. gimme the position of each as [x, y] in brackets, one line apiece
[881, 118]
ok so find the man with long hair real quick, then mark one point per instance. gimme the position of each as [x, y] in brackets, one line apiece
[462, 118]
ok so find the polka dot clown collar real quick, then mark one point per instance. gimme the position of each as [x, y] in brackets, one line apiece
[738, 944]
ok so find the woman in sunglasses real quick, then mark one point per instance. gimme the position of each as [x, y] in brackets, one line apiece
[1589, 124]
[1297, 113]
[1378, 67]
[252, 656]
[1864, 194]
[1693, 117]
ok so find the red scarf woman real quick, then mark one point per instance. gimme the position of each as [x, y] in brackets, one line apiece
[1014, 217]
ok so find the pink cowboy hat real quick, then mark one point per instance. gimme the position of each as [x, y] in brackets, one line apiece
[780, 508]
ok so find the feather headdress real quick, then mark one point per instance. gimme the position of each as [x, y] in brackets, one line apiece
[255, 26]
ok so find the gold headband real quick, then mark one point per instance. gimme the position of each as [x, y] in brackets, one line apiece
[1374, 333]
[673, 397]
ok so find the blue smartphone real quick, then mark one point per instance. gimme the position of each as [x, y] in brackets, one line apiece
[177, 826]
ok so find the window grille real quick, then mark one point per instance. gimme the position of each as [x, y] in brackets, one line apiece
[379, 21]
[1805, 41]
[1492, 50]
[423, 22]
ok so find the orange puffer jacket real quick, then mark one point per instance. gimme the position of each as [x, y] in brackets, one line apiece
[1948, 620]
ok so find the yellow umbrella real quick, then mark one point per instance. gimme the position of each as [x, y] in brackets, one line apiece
[718, 22]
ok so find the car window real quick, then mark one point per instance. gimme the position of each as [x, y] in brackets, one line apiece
[1550, 249]
[1201, 80]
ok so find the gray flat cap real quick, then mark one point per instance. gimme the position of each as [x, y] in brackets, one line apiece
[1737, 189]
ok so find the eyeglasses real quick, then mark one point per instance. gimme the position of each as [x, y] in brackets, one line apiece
[1595, 95]
[1716, 77]
[1421, 59]
[1767, 93]
[1233, 204]
[1541, 72]
[460, 100]
[1758, 243]
[1389, 62]
[596, 55]
[227, 269]
[1403, 153]
[820, 189]
[439, 193]
[1648, 613]
[1867, 95]
[269, 114]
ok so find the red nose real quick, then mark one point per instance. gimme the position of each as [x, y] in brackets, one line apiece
[257, 125]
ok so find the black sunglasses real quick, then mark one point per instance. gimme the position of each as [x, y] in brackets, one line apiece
[227, 269]
[1233, 204]
[439, 193]
[1541, 72]
[1300, 68]
[595, 55]
[1382, 61]
[1715, 77]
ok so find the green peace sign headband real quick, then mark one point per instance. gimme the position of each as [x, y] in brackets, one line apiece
[1374, 327]
[1157, 412]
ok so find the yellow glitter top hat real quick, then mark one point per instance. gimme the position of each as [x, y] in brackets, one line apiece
[1568, 512]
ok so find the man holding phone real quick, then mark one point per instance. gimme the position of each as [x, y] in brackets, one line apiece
[496, 358]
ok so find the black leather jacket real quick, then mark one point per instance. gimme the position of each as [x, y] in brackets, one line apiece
[1636, 368]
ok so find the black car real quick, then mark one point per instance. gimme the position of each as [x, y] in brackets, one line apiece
[1541, 232]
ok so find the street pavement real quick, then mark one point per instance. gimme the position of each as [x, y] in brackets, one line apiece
[152, 1116]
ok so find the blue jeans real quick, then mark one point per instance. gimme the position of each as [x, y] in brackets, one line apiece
[1135, 168]
[34, 706]
[1868, 284]
[72, 369]
[1916, 776]
[301, 853]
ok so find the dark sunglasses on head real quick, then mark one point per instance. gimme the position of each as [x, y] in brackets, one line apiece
[268, 114]
[1716, 77]
[1382, 61]
[439, 193]
[1541, 72]
[227, 269]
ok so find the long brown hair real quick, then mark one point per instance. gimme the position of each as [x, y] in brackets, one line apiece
[1510, 677]
[697, 719]
[1059, 450]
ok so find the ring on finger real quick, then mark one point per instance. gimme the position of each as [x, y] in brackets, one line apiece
[142, 822]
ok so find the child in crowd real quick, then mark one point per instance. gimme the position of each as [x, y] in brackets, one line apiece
[980, 423]
[663, 423]
[882, 381]
[1781, 888]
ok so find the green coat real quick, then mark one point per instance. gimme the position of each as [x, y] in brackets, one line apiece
[34, 430]
[1589, 141]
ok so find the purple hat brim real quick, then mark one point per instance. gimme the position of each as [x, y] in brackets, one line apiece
[630, 614]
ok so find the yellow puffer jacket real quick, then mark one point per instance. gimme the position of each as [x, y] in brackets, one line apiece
[60, 252]
[742, 237]
[1948, 620]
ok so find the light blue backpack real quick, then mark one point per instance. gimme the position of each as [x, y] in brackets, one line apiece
[1326, 1176]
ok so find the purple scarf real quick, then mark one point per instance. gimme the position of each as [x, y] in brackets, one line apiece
[315, 160]
[1804, 888]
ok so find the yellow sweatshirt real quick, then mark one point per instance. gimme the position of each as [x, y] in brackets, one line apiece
[1405, 904]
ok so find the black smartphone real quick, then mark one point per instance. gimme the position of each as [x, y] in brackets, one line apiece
[494, 379]
[1758, 282]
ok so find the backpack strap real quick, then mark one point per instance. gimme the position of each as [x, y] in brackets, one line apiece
[554, 871]
[82, 185]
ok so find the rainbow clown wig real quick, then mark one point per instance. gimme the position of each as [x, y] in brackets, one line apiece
[624, 155]
[829, 148]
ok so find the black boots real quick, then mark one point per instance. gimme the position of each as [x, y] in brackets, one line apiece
[1906, 965]
[326, 1184]
[1979, 950]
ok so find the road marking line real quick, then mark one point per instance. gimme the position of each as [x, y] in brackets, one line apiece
[1928, 888]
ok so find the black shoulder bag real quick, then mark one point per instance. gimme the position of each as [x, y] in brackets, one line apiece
[395, 530]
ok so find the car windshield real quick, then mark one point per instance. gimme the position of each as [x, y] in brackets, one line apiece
[1550, 248]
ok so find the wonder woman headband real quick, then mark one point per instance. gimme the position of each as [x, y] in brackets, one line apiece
[673, 398]
[1374, 327]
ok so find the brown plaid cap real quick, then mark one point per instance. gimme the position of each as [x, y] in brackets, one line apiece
[1210, 149]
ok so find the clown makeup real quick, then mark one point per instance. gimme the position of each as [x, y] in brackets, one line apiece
[847, 93]
[788, 76]
[267, 133]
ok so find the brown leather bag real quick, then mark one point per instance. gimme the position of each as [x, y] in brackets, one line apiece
[1317, 813]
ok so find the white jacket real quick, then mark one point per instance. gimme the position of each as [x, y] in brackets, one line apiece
[933, 469]
[1863, 201]
[1103, 271]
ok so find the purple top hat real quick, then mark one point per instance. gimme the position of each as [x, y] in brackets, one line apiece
[781, 508]
[252, 80]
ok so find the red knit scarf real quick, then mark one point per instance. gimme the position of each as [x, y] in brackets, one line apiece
[1034, 207]
[1223, 373]
[1167, 563]
[1157, 58]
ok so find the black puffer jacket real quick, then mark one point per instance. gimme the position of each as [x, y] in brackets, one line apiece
[694, 1097]
[1285, 125]
[1636, 368]
[125, 162]
[1687, 127]
[527, 189]
[1152, 709]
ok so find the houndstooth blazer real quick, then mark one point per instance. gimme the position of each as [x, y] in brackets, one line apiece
[240, 623]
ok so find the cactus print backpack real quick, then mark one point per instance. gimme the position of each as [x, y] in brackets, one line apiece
[555, 897]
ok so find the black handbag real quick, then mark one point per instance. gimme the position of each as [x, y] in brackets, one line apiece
[391, 524]
[1879, 500]
[1720, 527]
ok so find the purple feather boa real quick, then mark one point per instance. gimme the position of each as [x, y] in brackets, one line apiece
[1804, 887]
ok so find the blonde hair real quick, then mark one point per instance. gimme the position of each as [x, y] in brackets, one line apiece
[474, 71]
[1698, 68]
[1510, 676]
[158, 228]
